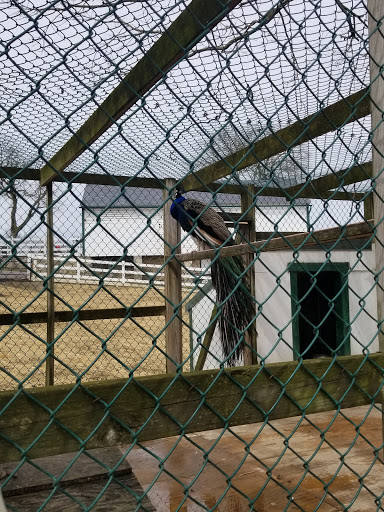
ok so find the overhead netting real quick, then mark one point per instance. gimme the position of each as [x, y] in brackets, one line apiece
[190, 255]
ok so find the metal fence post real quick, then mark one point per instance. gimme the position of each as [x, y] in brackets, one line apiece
[172, 283]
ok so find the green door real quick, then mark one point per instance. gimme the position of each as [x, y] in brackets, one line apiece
[320, 309]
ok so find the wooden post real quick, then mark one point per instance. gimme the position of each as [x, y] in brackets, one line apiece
[376, 52]
[50, 370]
[249, 231]
[368, 208]
[172, 283]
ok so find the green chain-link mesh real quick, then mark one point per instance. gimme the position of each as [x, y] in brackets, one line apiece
[110, 354]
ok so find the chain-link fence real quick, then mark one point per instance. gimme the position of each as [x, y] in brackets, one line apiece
[191, 285]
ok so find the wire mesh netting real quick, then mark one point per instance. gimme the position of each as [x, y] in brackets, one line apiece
[191, 255]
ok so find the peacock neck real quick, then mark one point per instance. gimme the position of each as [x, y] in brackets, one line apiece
[175, 208]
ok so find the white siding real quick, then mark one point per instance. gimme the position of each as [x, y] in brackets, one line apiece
[121, 228]
[273, 289]
[281, 218]
[139, 232]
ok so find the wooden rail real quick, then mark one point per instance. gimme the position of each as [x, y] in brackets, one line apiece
[41, 317]
[316, 188]
[47, 421]
[291, 242]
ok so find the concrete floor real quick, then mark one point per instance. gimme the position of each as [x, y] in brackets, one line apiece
[326, 464]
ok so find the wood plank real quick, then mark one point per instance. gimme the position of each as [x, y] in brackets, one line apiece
[47, 421]
[92, 465]
[318, 186]
[376, 51]
[325, 120]
[86, 478]
[375, 10]
[368, 207]
[86, 178]
[308, 192]
[172, 283]
[137, 181]
[292, 242]
[184, 33]
[41, 317]
[20, 173]
[122, 494]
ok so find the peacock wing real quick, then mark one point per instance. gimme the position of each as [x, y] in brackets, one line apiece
[209, 223]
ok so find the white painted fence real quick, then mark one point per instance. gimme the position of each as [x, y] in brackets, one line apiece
[25, 248]
[31, 247]
[87, 270]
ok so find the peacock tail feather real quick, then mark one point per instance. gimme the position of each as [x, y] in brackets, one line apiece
[236, 303]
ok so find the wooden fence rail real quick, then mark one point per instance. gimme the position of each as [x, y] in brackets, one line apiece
[67, 418]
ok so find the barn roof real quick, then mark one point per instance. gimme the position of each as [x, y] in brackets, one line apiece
[102, 196]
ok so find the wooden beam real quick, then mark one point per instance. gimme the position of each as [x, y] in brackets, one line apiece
[47, 421]
[368, 207]
[292, 242]
[323, 185]
[287, 194]
[375, 10]
[172, 283]
[198, 18]
[325, 120]
[109, 179]
[137, 181]
[82, 315]
[334, 196]
[19, 173]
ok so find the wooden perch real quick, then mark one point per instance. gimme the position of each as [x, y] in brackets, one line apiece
[358, 230]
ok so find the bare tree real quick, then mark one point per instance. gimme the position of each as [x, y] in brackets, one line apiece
[25, 197]
[285, 168]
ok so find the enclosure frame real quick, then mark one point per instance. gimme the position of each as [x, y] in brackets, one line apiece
[164, 54]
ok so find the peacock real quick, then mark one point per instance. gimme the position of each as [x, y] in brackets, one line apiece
[233, 296]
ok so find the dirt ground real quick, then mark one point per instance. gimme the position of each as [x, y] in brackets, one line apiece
[98, 349]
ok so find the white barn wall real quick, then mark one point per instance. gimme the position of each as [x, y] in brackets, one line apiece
[273, 288]
[130, 230]
[122, 228]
